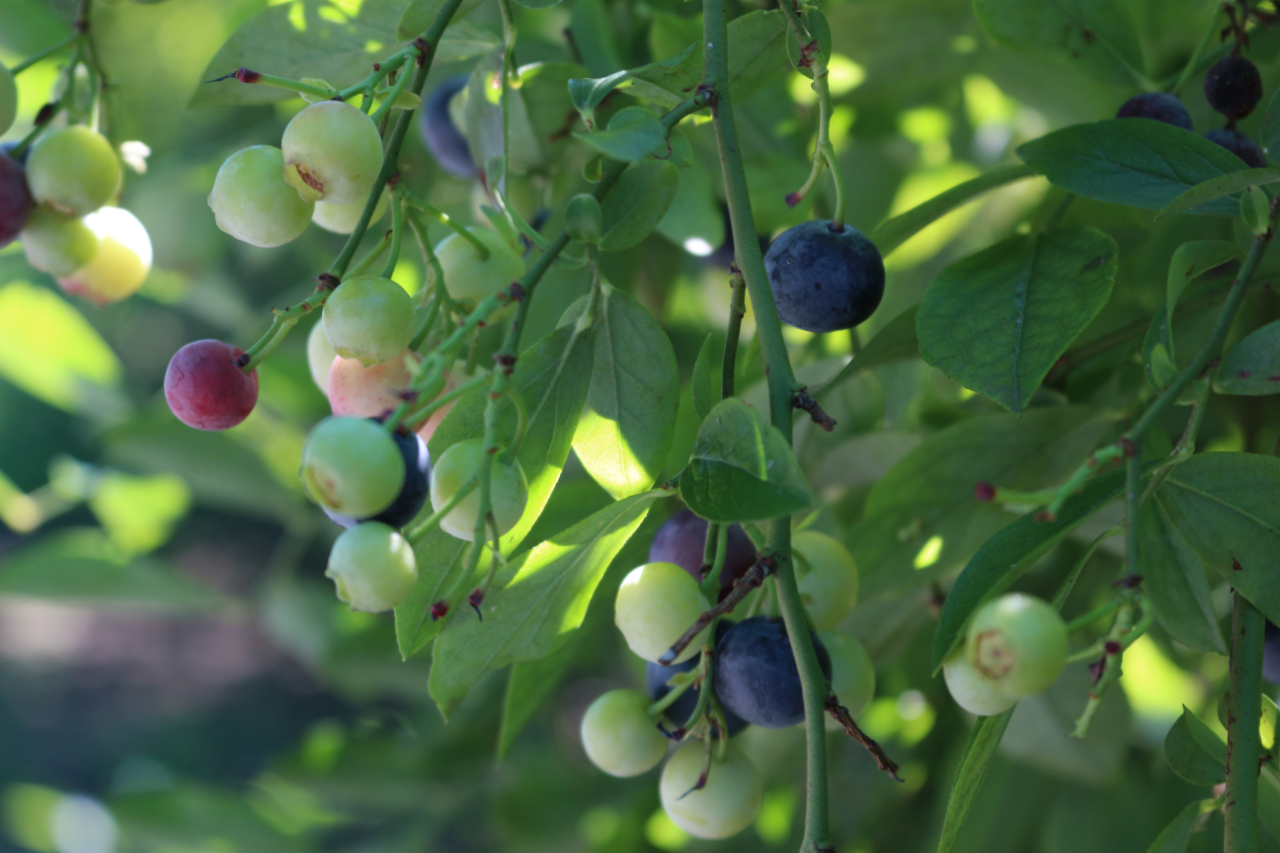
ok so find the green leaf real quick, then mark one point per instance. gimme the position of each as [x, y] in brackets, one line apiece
[979, 751]
[1195, 752]
[1269, 136]
[896, 231]
[552, 377]
[633, 132]
[706, 376]
[1132, 161]
[1009, 553]
[1220, 187]
[80, 564]
[1174, 579]
[757, 51]
[1224, 505]
[299, 39]
[1096, 36]
[592, 31]
[49, 350]
[742, 469]
[587, 94]
[538, 599]
[421, 13]
[997, 320]
[636, 203]
[627, 425]
[1175, 837]
[482, 115]
[529, 683]
[139, 513]
[1252, 368]
[897, 341]
[693, 220]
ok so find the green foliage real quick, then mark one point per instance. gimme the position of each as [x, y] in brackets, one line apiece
[1096, 35]
[1194, 752]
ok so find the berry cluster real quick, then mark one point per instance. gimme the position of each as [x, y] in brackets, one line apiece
[749, 665]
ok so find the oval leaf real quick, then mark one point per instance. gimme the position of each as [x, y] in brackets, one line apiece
[1252, 368]
[1220, 187]
[706, 373]
[1195, 752]
[1096, 36]
[632, 133]
[1174, 578]
[636, 203]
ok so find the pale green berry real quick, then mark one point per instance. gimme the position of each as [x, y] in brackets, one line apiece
[74, 170]
[352, 466]
[619, 737]
[725, 806]
[343, 218]
[467, 276]
[320, 356]
[972, 691]
[251, 201]
[332, 153]
[656, 604]
[373, 567]
[1018, 642]
[121, 263]
[457, 466]
[853, 675]
[827, 577]
[370, 318]
[57, 243]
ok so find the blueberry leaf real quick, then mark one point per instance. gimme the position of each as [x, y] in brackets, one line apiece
[979, 750]
[1231, 184]
[633, 132]
[742, 469]
[1096, 36]
[706, 376]
[1174, 578]
[998, 320]
[1195, 752]
[529, 683]
[1252, 368]
[420, 13]
[1177, 834]
[636, 203]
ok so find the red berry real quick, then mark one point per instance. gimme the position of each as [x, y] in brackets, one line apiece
[206, 388]
[15, 199]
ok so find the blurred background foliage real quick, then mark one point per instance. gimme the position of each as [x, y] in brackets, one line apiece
[175, 672]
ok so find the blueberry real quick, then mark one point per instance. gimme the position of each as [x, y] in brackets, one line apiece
[1159, 106]
[681, 540]
[1270, 655]
[413, 494]
[824, 280]
[756, 675]
[678, 712]
[1233, 86]
[445, 142]
[1240, 145]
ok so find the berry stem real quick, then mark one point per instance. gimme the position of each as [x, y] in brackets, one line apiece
[737, 310]
[508, 64]
[397, 234]
[1244, 709]
[420, 415]
[390, 98]
[46, 53]
[444, 219]
[414, 534]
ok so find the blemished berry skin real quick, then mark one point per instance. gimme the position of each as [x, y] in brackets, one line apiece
[1158, 106]
[16, 203]
[682, 538]
[657, 676]
[445, 142]
[1233, 87]
[756, 675]
[251, 201]
[332, 153]
[618, 735]
[206, 388]
[74, 170]
[413, 494]
[351, 466]
[971, 691]
[824, 280]
[1240, 145]
[655, 605]
[373, 567]
[1271, 654]
[1018, 643]
[724, 806]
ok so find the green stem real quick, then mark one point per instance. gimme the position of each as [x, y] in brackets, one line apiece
[397, 234]
[415, 533]
[389, 100]
[1060, 597]
[508, 64]
[371, 257]
[1244, 711]
[1093, 616]
[420, 416]
[1194, 62]
[44, 54]
[737, 310]
[447, 221]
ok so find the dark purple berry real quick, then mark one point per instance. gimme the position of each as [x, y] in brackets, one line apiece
[1233, 87]
[824, 280]
[682, 538]
[1240, 145]
[677, 714]
[1158, 106]
[413, 494]
[15, 199]
[206, 387]
[1270, 655]
[445, 142]
[756, 676]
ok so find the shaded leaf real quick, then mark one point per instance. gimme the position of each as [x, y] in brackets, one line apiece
[636, 203]
[1195, 752]
[529, 683]
[897, 341]
[633, 132]
[1220, 187]
[979, 750]
[1174, 579]
[706, 376]
[1175, 837]
[1252, 368]
[420, 13]
[1096, 36]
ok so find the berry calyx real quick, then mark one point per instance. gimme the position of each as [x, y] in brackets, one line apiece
[1157, 106]
[457, 466]
[206, 388]
[251, 201]
[373, 567]
[756, 675]
[973, 692]
[369, 318]
[469, 276]
[727, 801]
[655, 605]
[1018, 643]
[824, 280]
[120, 264]
[16, 203]
[74, 170]
[1233, 87]
[827, 577]
[618, 735]
[332, 153]
[352, 466]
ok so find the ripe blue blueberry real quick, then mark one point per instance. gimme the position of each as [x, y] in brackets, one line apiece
[1240, 145]
[755, 673]
[682, 538]
[1158, 106]
[678, 712]
[413, 494]
[445, 142]
[824, 280]
[1233, 87]
[1271, 655]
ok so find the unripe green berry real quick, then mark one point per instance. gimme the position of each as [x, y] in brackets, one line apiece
[8, 99]
[1017, 642]
[373, 567]
[827, 577]
[457, 466]
[656, 604]
[972, 691]
[352, 466]
[57, 243]
[343, 218]
[853, 675]
[74, 170]
[370, 318]
[320, 356]
[332, 153]
[120, 264]
[469, 277]
[619, 737]
[725, 806]
[583, 218]
[251, 201]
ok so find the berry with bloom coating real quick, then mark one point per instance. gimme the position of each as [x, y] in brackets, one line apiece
[370, 318]
[1240, 145]
[1233, 87]
[251, 201]
[332, 153]
[508, 489]
[725, 805]
[1018, 643]
[15, 199]
[373, 567]
[824, 280]
[445, 142]
[352, 466]
[656, 604]
[756, 675]
[682, 539]
[73, 170]
[343, 218]
[618, 735]
[976, 694]
[467, 275]
[1157, 106]
[827, 577]
[57, 243]
[120, 264]
[206, 388]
